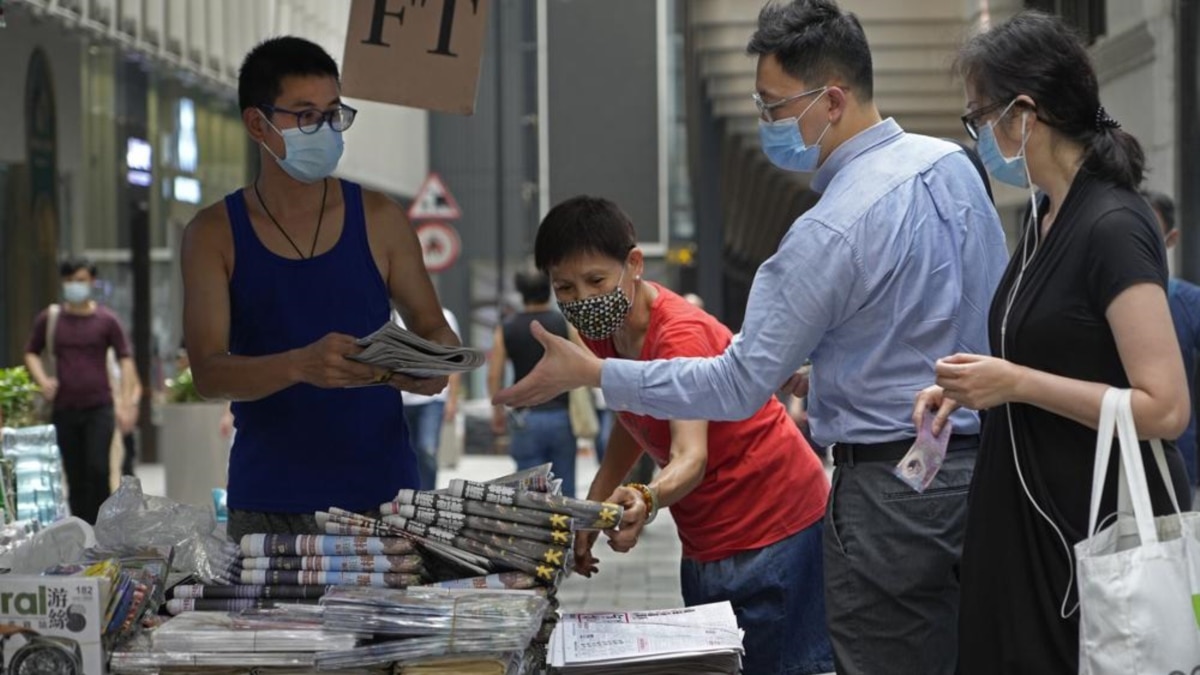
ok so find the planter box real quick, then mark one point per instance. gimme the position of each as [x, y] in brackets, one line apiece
[195, 457]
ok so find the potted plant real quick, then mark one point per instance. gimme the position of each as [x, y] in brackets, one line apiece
[18, 394]
[39, 493]
[195, 455]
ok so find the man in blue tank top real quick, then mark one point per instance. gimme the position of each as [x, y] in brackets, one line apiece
[280, 278]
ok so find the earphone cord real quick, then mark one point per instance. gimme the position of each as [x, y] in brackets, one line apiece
[1032, 231]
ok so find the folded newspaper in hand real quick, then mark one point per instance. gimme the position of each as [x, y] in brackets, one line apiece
[403, 351]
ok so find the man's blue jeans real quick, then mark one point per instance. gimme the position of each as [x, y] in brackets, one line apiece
[425, 430]
[778, 595]
[540, 436]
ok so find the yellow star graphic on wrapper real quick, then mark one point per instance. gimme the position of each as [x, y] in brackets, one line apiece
[553, 557]
[558, 520]
[608, 515]
[560, 537]
[544, 572]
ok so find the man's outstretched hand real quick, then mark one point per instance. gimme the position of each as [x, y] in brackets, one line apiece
[565, 366]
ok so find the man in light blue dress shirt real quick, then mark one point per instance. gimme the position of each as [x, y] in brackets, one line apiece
[891, 270]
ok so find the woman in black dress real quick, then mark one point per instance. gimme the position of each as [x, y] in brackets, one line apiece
[1081, 307]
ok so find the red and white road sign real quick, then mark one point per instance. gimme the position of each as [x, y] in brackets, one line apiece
[434, 201]
[440, 245]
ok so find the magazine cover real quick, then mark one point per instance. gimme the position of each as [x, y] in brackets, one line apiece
[50, 625]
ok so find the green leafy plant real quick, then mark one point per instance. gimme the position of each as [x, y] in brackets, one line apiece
[183, 389]
[18, 394]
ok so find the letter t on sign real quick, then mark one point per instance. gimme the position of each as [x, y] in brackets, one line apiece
[416, 53]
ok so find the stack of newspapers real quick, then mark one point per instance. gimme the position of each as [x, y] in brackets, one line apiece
[700, 639]
[403, 351]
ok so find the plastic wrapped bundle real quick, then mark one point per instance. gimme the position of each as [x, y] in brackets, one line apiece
[436, 623]
[221, 632]
[37, 469]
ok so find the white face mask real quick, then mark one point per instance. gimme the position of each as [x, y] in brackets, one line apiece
[76, 291]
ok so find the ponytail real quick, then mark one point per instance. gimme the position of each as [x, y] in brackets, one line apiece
[1115, 155]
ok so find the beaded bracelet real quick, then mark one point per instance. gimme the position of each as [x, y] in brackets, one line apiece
[650, 498]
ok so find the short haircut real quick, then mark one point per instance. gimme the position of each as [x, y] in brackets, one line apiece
[816, 43]
[260, 80]
[533, 285]
[70, 266]
[1164, 205]
[583, 225]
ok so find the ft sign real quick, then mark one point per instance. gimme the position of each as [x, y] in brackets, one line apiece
[416, 53]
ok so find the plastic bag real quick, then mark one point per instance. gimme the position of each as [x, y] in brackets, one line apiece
[62, 542]
[130, 519]
[924, 459]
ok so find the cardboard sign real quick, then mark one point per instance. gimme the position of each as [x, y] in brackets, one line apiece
[417, 53]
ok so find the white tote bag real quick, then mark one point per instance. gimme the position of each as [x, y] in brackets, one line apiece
[1137, 577]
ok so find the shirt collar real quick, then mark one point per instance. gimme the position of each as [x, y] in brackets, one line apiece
[850, 150]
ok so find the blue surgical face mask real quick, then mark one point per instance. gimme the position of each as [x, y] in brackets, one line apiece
[308, 157]
[1010, 170]
[784, 145]
[76, 292]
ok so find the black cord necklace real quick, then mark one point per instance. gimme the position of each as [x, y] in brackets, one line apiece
[321, 216]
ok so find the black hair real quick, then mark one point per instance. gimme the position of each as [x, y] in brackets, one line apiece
[583, 224]
[816, 43]
[533, 285]
[1038, 55]
[1163, 205]
[70, 266]
[260, 80]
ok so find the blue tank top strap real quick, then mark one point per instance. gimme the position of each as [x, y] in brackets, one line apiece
[239, 222]
[355, 218]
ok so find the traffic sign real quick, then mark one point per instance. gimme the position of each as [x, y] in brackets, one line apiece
[440, 246]
[434, 201]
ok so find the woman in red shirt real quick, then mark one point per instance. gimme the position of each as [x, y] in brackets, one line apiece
[747, 497]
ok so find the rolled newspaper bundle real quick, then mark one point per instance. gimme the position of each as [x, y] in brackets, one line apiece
[177, 607]
[555, 556]
[353, 523]
[457, 521]
[586, 514]
[310, 577]
[499, 581]
[540, 552]
[258, 545]
[542, 571]
[359, 563]
[197, 591]
[447, 503]
[536, 479]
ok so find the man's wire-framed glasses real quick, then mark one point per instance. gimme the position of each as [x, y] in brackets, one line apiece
[764, 108]
[310, 120]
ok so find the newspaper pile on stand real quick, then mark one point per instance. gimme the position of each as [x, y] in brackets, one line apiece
[700, 639]
[403, 351]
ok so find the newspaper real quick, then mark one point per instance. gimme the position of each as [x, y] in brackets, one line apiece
[704, 638]
[56, 622]
[403, 351]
